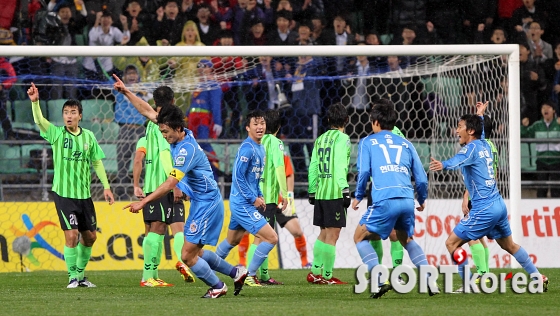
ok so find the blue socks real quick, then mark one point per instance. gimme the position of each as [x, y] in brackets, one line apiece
[416, 254]
[525, 261]
[223, 249]
[261, 253]
[216, 263]
[368, 254]
[202, 271]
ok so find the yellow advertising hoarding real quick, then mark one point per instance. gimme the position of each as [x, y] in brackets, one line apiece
[118, 245]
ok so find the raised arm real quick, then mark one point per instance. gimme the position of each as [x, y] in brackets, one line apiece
[38, 117]
[142, 106]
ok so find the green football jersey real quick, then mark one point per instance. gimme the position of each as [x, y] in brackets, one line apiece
[141, 143]
[495, 157]
[328, 169]
[72, 157]
[155, 143]
[274, 149]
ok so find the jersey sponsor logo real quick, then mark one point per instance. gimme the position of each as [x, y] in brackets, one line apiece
[393, 168]
[182, 151]
[180, 161]
[76, 154]
[193, 227]
[244, 159]
[463, 150]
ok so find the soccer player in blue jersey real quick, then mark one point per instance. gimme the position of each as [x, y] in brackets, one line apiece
[193, 175]
[246, 198]
[389, 160]
[488, 216]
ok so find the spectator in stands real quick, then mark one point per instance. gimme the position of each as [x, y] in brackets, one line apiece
[499, 36]
[445, 16]
[532, 81]
[552, 72]
[360, 93]
[207, 29]
[167, 28]
[240, 16]
[505, 11]
[548, 154]
[262, 94]
[281, 34]
[378, 63]
[306, 108]
[205, 113]
[256, 35]
[540, 50]
[103, 34]
[321, 37]
[410, 13]
[147, 67]
[188, 10]
[476, 12]
[522, 17]
[304, 35]
[131, 124]
[8, 75]
[306, 9]
[139, 22]
[185, 67]
[65, 68]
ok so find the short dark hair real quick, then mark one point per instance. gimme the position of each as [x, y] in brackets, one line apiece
[337, 115]
[473, 122]
[106, 14]
[255, 114]
[62, 6]
[163, 95]
[383, 111]
[171, 116]
[273, 121]
[526, 45]
[130, 67]
[70, 103]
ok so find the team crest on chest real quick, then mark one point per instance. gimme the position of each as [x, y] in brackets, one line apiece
[86, 146]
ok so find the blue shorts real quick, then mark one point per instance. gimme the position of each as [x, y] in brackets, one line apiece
[383, 216]
[491, 221]
[246, 216]
[204, 224]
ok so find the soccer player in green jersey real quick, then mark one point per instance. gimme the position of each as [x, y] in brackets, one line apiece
[273, 185]
[160, 212]
[74, 150]
[329, 192]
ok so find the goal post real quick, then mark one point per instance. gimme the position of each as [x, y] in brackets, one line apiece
[513, 154]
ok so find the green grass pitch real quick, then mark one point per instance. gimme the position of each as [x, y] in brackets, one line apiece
[119, 293]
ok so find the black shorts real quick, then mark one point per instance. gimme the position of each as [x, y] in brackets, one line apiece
[270, 213]
[282, 219]
[75, 213]
[164, 210]
[329, 213]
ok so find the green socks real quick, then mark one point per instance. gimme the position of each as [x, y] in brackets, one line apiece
[84, 253]
[317, 257]
[396, 253]
[329, 254]
[178, 241]
[479, 258]
[378, 247]
[151, 247]
[263, 269]
[487, 255]
[158, 255]
[70, 255]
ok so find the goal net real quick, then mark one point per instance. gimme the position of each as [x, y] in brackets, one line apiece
[431, 88]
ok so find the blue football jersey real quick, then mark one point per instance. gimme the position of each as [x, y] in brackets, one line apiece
[390, 161]
[192, 168]
[477, 165]
[247, 171]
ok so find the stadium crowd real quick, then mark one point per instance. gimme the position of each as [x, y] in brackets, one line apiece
[217, 112]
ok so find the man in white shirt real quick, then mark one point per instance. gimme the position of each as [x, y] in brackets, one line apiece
[103, 34]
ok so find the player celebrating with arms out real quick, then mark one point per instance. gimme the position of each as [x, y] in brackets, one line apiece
[246, 198]
[388, 160]
[329, 192]
[193, 175]
[73, 149]
[488, 216]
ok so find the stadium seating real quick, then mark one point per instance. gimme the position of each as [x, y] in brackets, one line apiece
[110, 161]
[423, 150]
[23, 113]
[110, 131]
[98, 110]
[12, 162]
[528, 157]
[54, 110]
